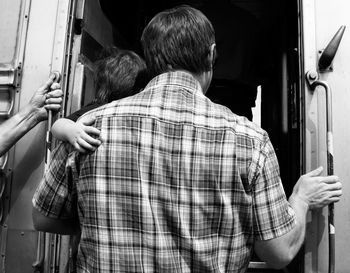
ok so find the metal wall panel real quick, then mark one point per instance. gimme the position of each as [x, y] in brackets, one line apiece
[10, 17]
[42, 43]
[329, 16]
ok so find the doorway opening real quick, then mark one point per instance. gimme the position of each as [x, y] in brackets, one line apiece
[257, 71]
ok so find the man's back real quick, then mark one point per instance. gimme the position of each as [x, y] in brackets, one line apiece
[171, 187]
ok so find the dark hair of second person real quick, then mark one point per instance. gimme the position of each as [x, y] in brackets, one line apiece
[119, 75]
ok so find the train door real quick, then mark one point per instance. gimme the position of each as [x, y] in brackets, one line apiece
[326, 91]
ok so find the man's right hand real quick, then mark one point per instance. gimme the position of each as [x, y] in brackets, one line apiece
[312, 191]
[317, 191]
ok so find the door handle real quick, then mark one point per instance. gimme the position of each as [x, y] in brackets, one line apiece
[56, 77]
[38, 264]
[312, 78]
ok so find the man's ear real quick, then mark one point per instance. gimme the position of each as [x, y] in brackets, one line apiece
[212, 55]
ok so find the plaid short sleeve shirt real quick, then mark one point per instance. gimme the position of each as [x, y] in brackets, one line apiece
[180, 184]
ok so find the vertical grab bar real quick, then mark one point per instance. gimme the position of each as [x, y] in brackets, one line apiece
[312, 78]
[56, 76]
[38, 264]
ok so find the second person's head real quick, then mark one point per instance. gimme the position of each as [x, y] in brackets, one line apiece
[118, 75]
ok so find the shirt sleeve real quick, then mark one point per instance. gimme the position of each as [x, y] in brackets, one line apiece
[273, 215]
[56, 194]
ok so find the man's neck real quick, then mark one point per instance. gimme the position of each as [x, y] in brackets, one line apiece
[204, 79]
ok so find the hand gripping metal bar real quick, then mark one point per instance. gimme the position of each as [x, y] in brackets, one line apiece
[312, 78]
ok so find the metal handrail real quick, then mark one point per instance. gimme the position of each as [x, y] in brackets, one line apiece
[312, 78]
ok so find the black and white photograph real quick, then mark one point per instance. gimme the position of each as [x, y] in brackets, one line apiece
[174, 136]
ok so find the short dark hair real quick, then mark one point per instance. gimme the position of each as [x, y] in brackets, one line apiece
[179, 38]
[119, 75]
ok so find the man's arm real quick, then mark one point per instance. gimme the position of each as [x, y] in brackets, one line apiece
[310, 192]
[54, 204]
[16, 127]
[36, 111]
[60, 226]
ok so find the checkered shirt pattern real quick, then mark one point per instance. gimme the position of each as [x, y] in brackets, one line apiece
[180, 184]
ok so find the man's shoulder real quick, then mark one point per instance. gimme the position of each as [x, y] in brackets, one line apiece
[239, 125]
[112, 108]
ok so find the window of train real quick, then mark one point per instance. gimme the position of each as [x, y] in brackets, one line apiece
[10, 13]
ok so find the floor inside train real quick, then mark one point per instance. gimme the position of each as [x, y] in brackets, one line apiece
[257, 43]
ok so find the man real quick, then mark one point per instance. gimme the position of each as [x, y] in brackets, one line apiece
[47, 97]
[179, 184]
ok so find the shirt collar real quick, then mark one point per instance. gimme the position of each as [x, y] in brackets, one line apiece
[182, 79]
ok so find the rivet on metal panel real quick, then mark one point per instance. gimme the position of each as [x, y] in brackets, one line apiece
[312, 76]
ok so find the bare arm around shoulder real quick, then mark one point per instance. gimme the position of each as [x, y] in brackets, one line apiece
[310, 192]
[68, 226]
[79, 134]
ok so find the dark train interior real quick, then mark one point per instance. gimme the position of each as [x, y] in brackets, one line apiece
[258, 49]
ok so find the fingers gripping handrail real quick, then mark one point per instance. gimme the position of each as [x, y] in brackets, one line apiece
[312, 78]
[38, 264]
